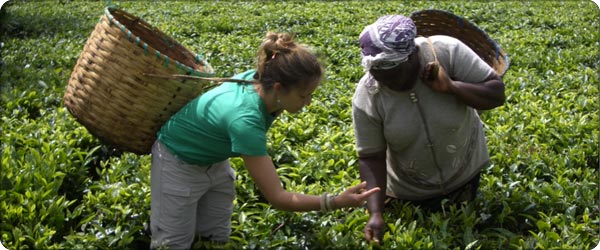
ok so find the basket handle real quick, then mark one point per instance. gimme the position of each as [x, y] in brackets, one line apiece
[432, 50]
[436, 66]
[198, 78]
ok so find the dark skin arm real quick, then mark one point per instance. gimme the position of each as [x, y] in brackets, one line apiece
[485, 95]
[373, 170]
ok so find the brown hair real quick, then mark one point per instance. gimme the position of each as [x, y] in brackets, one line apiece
[280, 59]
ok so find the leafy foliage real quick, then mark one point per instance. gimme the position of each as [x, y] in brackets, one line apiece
[62, 189]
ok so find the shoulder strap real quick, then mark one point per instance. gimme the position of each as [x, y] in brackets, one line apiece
[188, 77]
[433, 75]
[432, 50]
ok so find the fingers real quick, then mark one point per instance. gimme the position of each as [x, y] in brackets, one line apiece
[426, 71]
[376, 236]
[370, 191]
[430, 71]
[433, 72]
[358, 188]
[368, 234]
[371, 235]
[356, 195]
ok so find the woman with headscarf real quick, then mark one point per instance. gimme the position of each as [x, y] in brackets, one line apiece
[418, 133]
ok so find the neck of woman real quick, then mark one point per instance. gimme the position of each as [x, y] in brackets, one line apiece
[270, 100]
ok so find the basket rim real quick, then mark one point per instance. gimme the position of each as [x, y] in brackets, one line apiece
[208, 70]
[498, 49]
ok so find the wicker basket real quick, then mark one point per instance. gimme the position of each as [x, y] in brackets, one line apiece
[438, 22]
[111, 95]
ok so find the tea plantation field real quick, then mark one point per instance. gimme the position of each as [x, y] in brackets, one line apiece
[61, 188]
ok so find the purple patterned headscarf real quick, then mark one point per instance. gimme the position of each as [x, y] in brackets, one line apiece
[390, 38]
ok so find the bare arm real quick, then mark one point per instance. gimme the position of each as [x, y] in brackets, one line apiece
[373, 170]
[484, 95]
[262, 171]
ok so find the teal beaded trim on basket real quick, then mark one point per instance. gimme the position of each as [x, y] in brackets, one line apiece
[208, 71]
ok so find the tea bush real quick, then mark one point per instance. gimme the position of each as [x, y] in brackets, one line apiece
[61, 188]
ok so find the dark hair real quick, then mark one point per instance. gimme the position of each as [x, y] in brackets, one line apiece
[280, 59]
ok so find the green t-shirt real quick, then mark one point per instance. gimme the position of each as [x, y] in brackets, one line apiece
[227, 121]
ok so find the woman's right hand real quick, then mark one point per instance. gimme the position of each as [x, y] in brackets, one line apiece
[375, 228]
[355, 196]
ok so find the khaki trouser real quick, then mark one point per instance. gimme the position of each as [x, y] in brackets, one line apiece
[188, 200]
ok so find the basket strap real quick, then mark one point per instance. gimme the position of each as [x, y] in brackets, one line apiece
[436, 63]
[188, 77]
[432, 50]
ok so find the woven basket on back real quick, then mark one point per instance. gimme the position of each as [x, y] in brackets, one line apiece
[111, 95]
[438, 22]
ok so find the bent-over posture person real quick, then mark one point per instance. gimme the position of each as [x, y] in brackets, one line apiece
[193, 183]
[418, 134]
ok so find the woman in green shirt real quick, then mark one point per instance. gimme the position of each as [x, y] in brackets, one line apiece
[192, 185]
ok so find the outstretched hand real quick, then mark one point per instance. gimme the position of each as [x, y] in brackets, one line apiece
[436, 78]
[355, 196]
